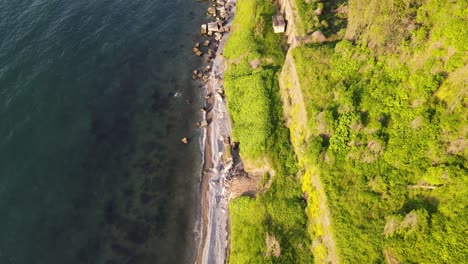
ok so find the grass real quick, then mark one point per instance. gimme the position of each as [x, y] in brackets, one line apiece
[255, 106]
[385, 122]
[321, 15]
[386, 133]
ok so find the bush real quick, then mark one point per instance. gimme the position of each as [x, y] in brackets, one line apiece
[255, 106]
[386, 134]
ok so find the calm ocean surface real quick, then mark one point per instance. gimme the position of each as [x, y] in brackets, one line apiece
[91, 165]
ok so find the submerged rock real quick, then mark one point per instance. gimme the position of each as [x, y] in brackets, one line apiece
[210, 53]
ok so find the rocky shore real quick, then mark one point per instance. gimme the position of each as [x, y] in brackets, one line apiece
[220, 159]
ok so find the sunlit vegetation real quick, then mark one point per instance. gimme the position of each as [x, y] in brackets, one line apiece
[328, 16]
[388, 122]
[254, 55]
[386, 130]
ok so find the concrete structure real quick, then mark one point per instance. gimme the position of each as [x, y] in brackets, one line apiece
[279, 25]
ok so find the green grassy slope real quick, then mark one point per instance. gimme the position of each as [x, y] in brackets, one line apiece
[255, 107]
[388, 123]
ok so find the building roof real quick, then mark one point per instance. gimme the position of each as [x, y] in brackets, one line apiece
[278, 23]
[278, 20]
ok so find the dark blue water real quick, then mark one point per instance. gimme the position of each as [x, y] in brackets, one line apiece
[91, 165]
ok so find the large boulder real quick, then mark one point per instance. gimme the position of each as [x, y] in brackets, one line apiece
[318, 36]
[202, 123]
[213, 27]
[204, 29]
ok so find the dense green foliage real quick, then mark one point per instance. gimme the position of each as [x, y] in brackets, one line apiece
[247, 225]
[254, 104]
[388, 125]
[250, 91]
[386, 130]
[278, 212]
[327, 16]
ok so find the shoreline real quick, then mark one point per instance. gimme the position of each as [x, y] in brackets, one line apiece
[213, 227]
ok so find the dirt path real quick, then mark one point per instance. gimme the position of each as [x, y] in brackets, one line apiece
[294, 109]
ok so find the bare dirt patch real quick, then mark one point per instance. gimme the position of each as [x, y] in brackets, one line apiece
[255, 64]
[245, 186]
[272, 246]
[295, 115]
[251, 184]
[457, 146]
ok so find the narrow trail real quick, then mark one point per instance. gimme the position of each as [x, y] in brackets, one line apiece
[292, 93]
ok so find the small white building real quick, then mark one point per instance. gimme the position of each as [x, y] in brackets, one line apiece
[279, 25]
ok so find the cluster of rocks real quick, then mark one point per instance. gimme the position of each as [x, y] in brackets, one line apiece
[208, 49]
[207, 43]
[211, 33]
[203, 74]
[220, 9]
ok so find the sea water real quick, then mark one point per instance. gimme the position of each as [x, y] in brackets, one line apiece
[94, 99]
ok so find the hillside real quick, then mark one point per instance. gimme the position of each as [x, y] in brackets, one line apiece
[374, 168]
